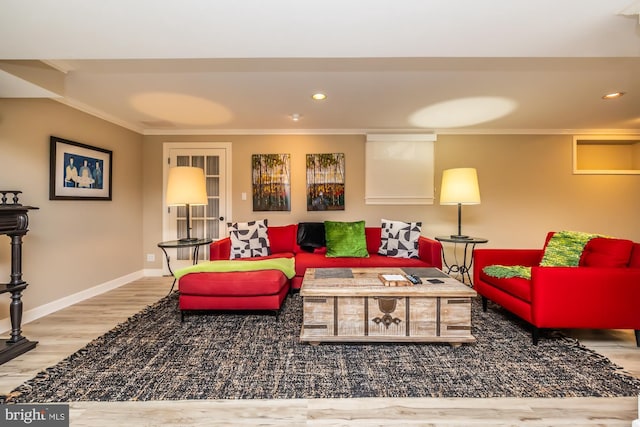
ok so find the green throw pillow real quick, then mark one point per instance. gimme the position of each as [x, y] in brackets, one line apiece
[345, 239]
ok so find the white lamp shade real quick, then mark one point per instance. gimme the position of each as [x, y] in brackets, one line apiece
[460, 186]
[186, 186]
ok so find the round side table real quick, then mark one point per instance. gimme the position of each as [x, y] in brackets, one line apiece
[177, 244]
[462, 268]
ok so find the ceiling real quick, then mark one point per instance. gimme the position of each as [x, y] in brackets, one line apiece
[247, 66]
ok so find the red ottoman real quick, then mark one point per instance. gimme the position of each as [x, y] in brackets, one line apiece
[236, 290]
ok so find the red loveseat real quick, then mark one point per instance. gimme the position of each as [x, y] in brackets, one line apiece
[283, 242]
[602, 292]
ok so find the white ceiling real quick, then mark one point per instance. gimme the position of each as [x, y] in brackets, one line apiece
[224, 66]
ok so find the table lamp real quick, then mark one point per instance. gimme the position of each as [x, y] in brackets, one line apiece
[460, 187]
[186, 186]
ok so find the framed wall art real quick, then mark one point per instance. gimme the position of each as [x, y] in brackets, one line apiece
[79, 171]
[325, 182]
[271, 182]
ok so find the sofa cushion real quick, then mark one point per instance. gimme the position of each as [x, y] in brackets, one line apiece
[372, 235]
[345, 239]
[377, 260]
[634, 259]
[517, 286]
[565, 248]
[305, 260]
[399, 239]
[281, 238]
[310, 236]
[606, 252]
[249, 239]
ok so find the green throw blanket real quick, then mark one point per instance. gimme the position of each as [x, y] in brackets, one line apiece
[508, 271]
[563, 250]
[286, 265]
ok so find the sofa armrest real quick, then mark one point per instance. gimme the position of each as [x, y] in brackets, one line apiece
[430, 251]
[220, 249]
[596, 297]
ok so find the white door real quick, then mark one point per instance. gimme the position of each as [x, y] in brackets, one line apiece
[206, 221]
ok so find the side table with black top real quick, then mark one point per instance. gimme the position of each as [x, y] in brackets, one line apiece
[462, 268]
[180, 244]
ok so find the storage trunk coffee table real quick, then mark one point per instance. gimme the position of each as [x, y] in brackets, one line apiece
[353, 304]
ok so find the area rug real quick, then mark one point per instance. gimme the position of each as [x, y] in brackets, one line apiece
[153, 356]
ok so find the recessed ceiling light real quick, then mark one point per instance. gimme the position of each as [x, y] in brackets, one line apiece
[295, 117]
[613, 95]
[319, 96]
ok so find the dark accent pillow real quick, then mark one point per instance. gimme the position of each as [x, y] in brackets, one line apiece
[399, 239]
[345, 239]
[249, 239]
[311, 236]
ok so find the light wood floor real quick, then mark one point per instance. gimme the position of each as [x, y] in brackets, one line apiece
[64, 332]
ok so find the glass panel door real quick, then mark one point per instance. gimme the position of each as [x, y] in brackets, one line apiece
[206, 221]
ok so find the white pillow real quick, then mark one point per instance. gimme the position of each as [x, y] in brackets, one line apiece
[399, 239]
[249, 239]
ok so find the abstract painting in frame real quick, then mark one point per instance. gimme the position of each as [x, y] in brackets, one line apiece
[325, 182]
[271, 182]
[79, 171]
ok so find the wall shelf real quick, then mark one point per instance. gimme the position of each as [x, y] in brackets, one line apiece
[606, 155]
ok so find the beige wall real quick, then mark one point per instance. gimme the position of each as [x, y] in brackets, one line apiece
[72, 245]
[528, 188]
[526, 185]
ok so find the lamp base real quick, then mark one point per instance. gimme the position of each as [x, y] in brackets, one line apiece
[459, 236]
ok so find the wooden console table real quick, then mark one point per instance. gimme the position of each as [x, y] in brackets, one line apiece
[14, 222]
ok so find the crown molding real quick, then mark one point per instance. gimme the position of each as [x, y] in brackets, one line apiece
[256, 132]
[391, 131]
[99, 114]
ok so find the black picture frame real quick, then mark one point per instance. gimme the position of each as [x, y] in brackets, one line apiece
[79, 171]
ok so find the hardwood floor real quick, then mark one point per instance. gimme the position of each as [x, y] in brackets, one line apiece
[62, 333]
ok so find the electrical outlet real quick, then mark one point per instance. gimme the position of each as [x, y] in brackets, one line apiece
[151, 257]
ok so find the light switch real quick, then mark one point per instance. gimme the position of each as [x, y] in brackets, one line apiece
[244, 196]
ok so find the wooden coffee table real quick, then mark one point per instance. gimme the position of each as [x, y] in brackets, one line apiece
[352, 304]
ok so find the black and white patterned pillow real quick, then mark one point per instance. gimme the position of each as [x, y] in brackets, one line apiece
[399, 239]
[249, 239]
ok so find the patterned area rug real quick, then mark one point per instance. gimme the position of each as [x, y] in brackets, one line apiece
[153, 356]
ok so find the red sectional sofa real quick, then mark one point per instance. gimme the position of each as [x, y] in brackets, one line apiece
[266, 290]
[602, 292]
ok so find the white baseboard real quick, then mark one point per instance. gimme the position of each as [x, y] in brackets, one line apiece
[154, 272]
[51, 307]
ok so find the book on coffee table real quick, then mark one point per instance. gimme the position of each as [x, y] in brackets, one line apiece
[394, 280]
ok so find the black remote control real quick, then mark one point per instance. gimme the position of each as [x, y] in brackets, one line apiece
[414, 279]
